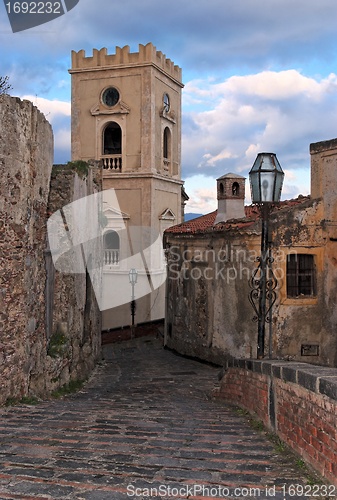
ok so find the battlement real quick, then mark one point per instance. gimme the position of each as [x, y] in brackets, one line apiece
[148, 54]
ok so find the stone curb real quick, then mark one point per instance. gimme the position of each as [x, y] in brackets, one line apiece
[318, 379]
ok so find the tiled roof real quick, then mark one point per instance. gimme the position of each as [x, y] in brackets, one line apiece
[194, 225]
[205, 223]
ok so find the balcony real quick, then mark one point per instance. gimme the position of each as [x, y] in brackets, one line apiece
[111, 257]
[112, 163]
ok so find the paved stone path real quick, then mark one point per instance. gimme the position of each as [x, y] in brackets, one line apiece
[147, 420]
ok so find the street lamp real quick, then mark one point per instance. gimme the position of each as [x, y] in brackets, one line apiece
[266, 179]
[133, 280]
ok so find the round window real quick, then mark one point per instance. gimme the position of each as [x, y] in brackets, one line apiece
[110, 96]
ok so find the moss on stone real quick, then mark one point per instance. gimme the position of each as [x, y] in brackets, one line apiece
[80, 167]
[70, 388]
[57, 345]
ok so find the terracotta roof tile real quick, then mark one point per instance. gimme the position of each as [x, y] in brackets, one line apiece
[194, 225]
[205, 223]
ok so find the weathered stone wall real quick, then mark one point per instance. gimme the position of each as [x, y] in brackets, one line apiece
[302, 321]
[49, 323]
[208, 312]
[74, 317]
[298, 401]
[26, 152]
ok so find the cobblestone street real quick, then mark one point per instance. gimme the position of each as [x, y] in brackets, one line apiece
[145, 426]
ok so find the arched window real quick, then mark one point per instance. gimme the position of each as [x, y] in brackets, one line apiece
[167, 144]
[112, 139]
[235, 189]
[221, 189]
[111, 248]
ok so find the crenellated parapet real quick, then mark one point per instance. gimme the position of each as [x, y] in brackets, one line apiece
[148, 54]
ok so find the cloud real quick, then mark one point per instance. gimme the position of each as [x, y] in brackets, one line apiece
[201, 200]
[58, 114]
[50, 108]
[267, 111]
[296, 182]
[259, 75]
[280, 112]
[278, 86]
[212, 160]
[202, 37]
[62, 140]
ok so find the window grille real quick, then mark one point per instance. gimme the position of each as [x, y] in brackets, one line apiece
[301, 276]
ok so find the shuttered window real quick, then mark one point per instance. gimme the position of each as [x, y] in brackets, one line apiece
[301, 276]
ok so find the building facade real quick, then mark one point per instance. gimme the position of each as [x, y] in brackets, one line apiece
[126, 112]
[211, 261]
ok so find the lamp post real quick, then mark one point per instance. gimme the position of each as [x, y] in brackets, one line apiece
[266, 179]
[133, 280]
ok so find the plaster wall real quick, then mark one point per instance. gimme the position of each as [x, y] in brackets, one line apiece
[229, 209]
[324, 176]
[147, 184]
[142, 79]
[209, 314]
[74, 309]
[146, 198]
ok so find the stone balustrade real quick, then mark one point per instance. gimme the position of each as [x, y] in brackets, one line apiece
[111, 257]
[112, 163]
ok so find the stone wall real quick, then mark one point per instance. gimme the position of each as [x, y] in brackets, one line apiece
[306, 322]
[208, 313]
[26, 152]
[74, 325]
[298, 401]
[49, 323]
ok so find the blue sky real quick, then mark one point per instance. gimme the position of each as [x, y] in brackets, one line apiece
[259, 75]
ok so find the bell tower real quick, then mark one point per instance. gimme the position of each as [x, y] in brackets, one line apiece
[126, 112]
[231, 197]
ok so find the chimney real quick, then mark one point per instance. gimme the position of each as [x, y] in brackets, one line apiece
[231, 197]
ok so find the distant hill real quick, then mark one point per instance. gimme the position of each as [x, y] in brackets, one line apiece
[190, 216]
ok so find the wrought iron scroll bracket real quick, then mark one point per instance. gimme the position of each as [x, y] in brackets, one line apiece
[255, 283]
